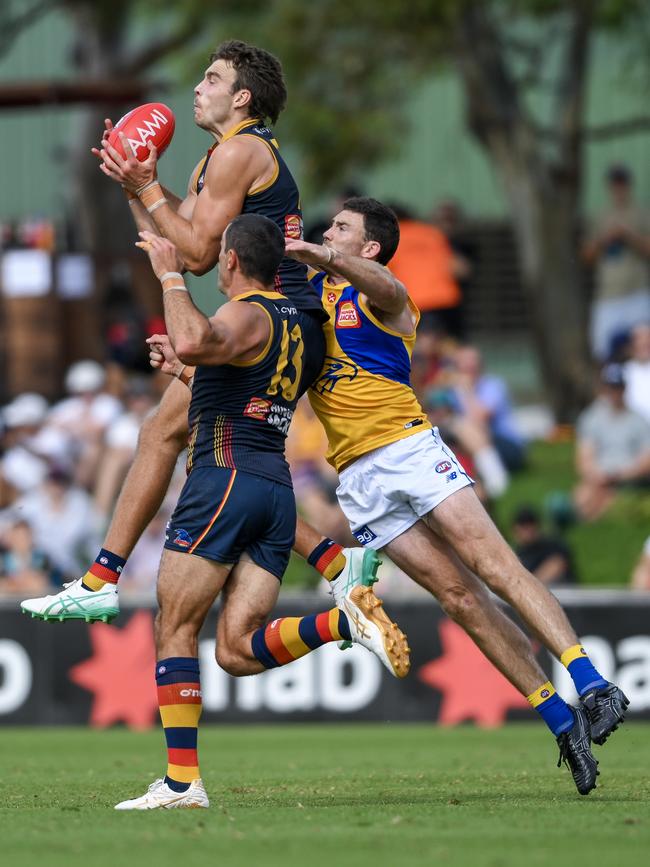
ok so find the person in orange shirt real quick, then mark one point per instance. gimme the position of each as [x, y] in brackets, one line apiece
[427, 264]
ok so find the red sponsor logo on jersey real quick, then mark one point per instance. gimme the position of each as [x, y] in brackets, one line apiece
[331, 297]
[293, 226]
[348, 316]
[258, 407]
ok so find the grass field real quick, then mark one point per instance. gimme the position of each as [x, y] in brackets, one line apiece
[325, 795]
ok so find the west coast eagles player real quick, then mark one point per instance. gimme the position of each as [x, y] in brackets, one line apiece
[403, 490]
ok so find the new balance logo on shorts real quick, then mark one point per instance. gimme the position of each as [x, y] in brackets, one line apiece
[364, 535]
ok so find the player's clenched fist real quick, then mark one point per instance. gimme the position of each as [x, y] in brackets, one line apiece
[162, 355]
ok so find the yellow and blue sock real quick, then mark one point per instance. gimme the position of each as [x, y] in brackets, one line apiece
[179, 698]
[289, 638]
[105, 570]
[328, 559]
[581, 669]
[552, 708]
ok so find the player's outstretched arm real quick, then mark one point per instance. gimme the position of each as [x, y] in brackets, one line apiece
[383, 290]
[237, 331]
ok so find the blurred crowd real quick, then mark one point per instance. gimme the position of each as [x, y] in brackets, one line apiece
[61, 469]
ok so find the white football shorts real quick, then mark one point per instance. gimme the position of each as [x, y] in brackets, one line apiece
[386, 491]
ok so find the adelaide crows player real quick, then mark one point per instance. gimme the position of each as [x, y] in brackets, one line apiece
[243, 172]
[234, 523]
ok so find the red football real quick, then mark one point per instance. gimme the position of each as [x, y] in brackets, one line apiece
[153, 122]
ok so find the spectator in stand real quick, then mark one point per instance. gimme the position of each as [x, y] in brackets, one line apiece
[637, 372]
[470, 442]
[21, 467]
[425, 361]
[429, 268]
[641, 574]
[613, 447]
[547, 557]
[484, 400]
[619, 249]
[63, 521]
[85, 416]
[23, 568]
[450, 219]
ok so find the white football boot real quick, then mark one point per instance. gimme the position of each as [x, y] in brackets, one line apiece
[371, 627]
[160, 797]
[74, 602]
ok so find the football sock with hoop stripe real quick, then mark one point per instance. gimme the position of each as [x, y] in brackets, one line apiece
[105, 570]
[288, 638]
[328, 559]
[581, 669]
[179, 698]
[555, 712]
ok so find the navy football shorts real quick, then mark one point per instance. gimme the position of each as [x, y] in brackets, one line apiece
[223, 513]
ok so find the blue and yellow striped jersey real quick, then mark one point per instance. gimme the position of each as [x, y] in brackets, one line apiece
[363, 396]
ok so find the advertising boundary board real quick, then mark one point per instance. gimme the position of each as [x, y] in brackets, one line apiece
[75, 674]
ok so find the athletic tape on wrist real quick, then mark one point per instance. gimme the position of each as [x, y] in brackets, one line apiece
[152, 196]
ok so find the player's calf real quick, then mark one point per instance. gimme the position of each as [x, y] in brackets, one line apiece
[360, 619]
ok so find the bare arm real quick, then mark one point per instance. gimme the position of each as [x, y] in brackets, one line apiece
[237, 331]
[231, 172]
[234, 168]
[586, 466]
[382, 289]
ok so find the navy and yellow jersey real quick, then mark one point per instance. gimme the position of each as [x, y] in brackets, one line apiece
[363, 396]
[240, 412]
[279, 200]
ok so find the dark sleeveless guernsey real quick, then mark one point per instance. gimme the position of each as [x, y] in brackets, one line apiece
[240, 412]
[279, 200]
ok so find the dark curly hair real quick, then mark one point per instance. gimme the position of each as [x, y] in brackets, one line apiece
[379, 222]
[258, 71]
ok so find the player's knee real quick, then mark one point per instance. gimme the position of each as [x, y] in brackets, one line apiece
[462, 603]
[232, 661]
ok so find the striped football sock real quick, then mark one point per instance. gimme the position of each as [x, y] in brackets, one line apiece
[555, 712]
[179, 698]
[289, 638]
[328, 559]
[105, 570]
[581, 669]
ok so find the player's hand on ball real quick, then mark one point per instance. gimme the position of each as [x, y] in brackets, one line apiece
[162, 355]
[108, 129]
[130, 172]
[162, 253]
